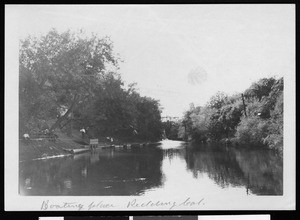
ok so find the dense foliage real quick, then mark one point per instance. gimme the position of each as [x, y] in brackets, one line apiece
[171, 130]
[224, 117]
[68, 79]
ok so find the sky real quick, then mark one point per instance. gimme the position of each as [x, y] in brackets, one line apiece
[180, 54]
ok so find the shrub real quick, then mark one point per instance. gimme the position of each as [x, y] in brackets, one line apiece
[252, 130]
[275, 138]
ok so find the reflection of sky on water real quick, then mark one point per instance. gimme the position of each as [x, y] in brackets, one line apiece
[168, 169]
[178, 177]
[169, 144]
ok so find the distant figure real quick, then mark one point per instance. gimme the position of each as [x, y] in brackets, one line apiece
[46, 131]
[227, 141]
[110, 139]
[26, 136]
[133, 130]
[82, 132]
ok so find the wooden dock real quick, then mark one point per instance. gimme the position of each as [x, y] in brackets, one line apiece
[77, 151]
[94, 145]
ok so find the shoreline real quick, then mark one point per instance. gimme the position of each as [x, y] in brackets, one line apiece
[42, 149]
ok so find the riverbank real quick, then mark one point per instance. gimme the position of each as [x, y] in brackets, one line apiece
[35, 149]
[234, 143]
[38, 149]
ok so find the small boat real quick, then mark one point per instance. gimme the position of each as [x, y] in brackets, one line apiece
[77, 151]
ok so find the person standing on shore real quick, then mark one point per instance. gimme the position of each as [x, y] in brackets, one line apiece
[82, 133]
[26, 136]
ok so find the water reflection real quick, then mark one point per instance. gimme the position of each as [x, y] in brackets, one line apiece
[167, 168]
[104, 172]
[260, 171]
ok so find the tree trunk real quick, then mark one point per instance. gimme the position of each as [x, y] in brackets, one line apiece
[244, 105]
[64, 125]
[65, 116]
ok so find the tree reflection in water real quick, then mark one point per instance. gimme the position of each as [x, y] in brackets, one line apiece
[106, 172]
[136, 171]
[260, 170]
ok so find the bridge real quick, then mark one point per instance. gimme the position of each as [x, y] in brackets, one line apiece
[169, 118]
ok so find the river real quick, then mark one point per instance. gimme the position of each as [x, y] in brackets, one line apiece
[160, 169]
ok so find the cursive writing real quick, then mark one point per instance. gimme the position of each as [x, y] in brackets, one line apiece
[46, 205]
[169, 204]
[100, 205]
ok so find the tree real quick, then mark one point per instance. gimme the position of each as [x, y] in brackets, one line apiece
[230, 117]
[252, 131]
[218, 100]
[114, 110]
[222, 116]
[59, 72]
[275, 134]
[149, 123]
[260, 88]
[186, 129]
[171, 128]
[265, 124]
[201, 119]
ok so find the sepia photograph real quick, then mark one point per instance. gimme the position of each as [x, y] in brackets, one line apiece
[149, 107]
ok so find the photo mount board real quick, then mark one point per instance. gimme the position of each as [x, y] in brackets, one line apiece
[15, 202]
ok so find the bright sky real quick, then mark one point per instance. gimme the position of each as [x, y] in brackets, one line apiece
[181, 54]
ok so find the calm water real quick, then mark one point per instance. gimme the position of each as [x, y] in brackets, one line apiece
[163, 169]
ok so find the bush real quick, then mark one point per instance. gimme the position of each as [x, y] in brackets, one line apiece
[274, 141]
[252, 130]
[275, 138]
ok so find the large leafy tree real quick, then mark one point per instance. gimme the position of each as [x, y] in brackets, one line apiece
[218, 100]
[260, 88]
[222, 117]
[59, 72]
[149, 119]
[114, 109]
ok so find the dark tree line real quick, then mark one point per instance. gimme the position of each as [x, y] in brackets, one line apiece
[224, 117]
[71, 79]
[171, 130]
